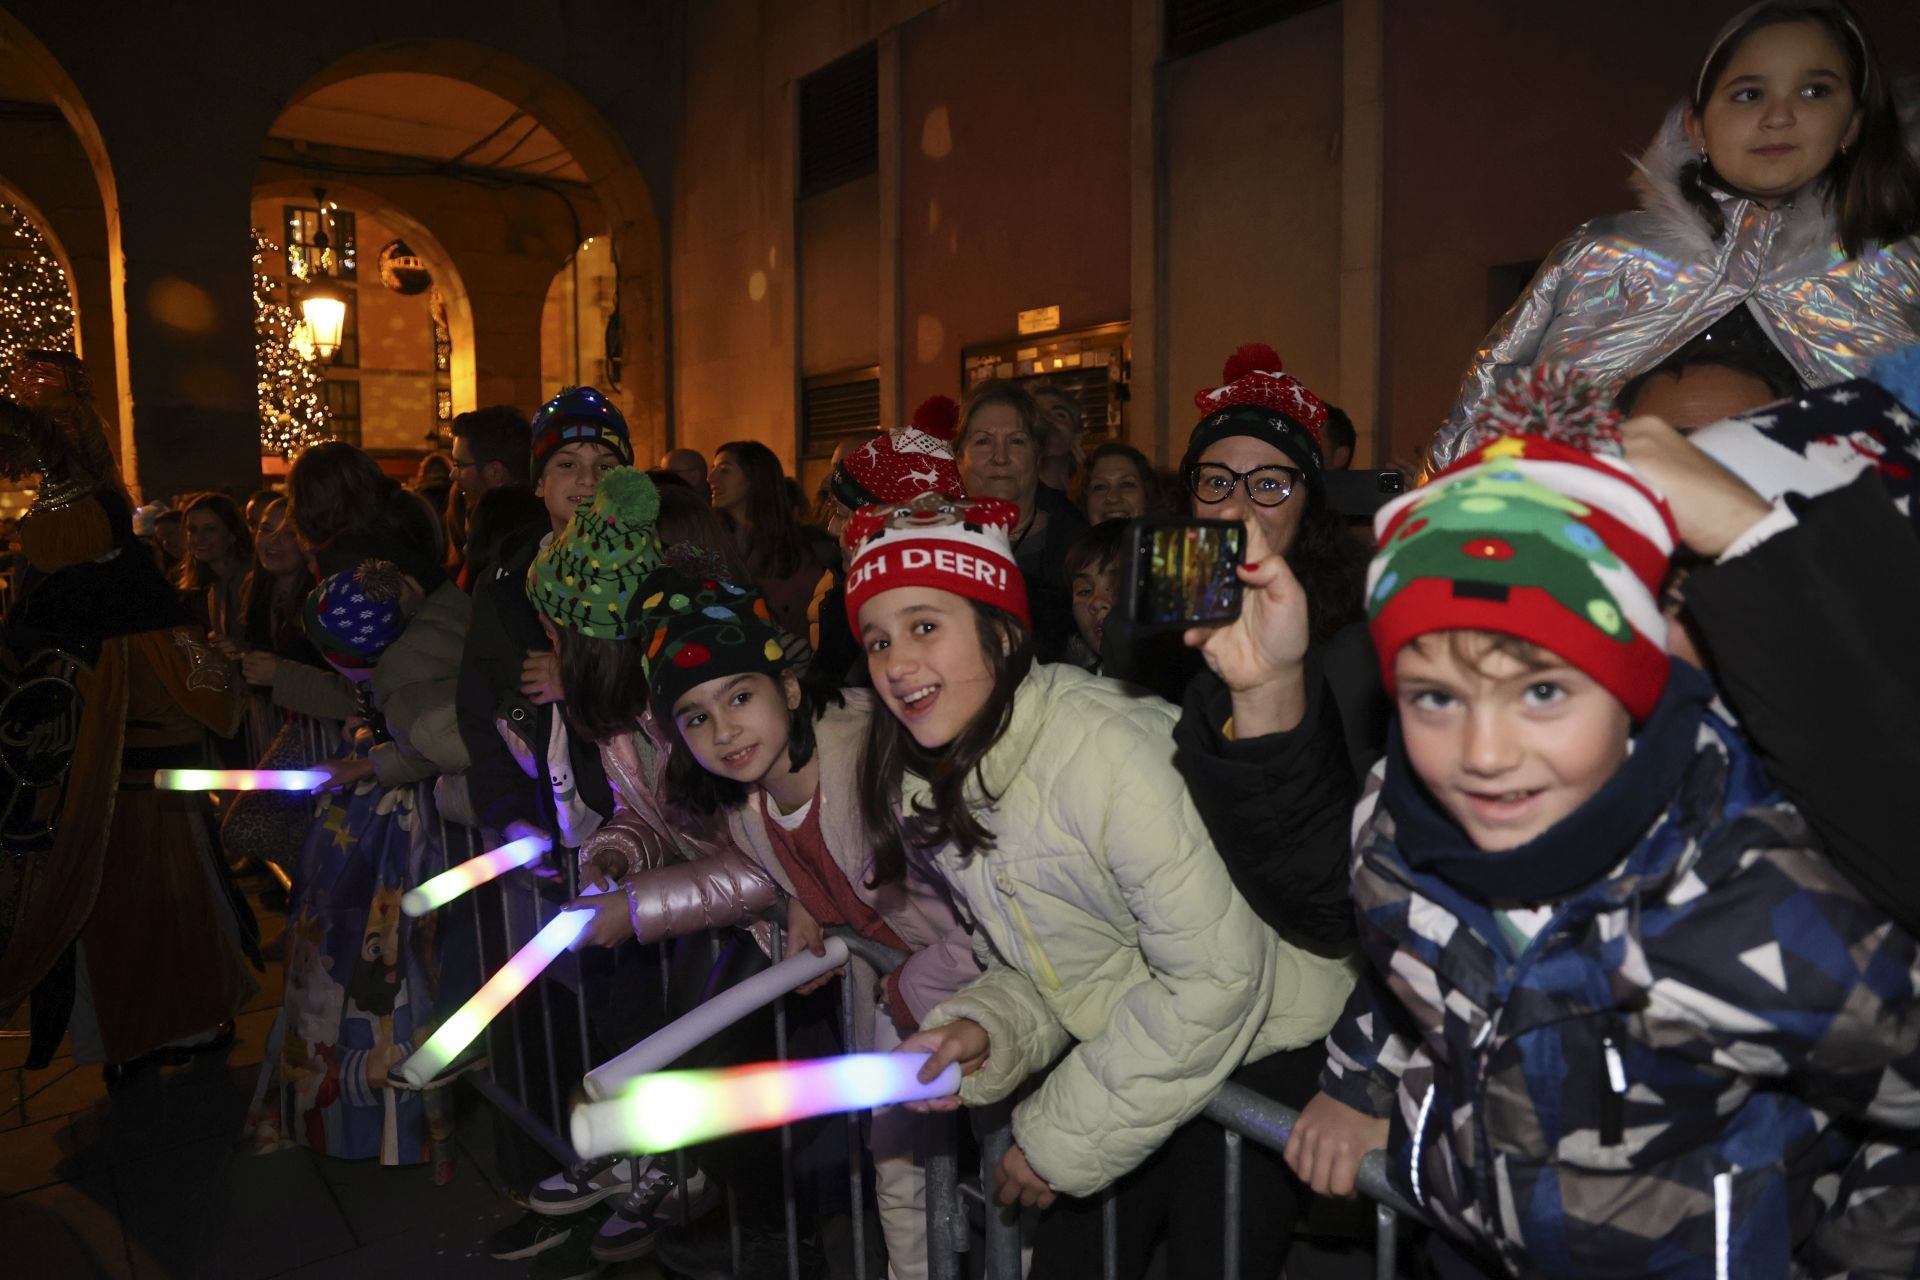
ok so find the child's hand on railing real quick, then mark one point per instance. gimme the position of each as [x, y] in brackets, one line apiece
[344, 772]
[612, 922]
[1015, 1180]
[1327, 1142]
[963, 1041]
[805, 934]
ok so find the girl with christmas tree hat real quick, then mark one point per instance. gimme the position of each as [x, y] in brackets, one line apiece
[658, 637]
[1634, 1022]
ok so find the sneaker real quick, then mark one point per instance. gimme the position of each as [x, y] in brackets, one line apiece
[572, 1258]
[583, 1186]
[656, 1202]
[531, 1234]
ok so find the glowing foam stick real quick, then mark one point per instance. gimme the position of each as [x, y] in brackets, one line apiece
[471, 1018]
[473, 873]
[708, 1019]
[238, 779]
[673, 1109]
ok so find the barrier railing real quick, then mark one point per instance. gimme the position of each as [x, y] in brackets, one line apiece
[953, 1204]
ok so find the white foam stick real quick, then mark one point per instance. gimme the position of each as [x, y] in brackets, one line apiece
[717, 1014]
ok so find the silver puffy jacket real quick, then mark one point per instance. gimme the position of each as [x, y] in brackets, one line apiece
[1623, 292]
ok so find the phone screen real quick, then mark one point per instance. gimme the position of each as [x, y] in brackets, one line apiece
[1184, 571]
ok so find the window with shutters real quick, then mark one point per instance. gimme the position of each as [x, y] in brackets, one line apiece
[1193, 25]
[840, 122]
[835, 406]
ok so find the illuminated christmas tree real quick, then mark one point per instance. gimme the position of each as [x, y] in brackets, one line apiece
[293, 409]
[36, 309]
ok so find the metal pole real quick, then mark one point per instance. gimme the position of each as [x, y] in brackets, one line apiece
[791, 1207]
[1386, 1242]
[856, 1184]
[546, 1031]
[1002, 1224]
[944, 1217]
[1230, 1209]
[1109, 1235]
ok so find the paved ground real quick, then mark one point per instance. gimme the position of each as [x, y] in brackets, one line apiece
[155, 1180]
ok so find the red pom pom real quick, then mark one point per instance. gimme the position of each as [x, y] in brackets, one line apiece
[1252, 357]
[1561, 402]
[938, 416]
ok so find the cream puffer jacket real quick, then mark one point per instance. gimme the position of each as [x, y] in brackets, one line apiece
[1108, 923]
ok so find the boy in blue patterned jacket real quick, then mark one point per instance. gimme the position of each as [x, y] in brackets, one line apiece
[1632, 1023]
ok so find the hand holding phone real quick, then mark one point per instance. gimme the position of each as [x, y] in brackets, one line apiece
[1182, 573]
[1259, 655]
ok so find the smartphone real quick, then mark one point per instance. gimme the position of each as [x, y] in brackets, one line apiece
[1358, 494]
[1182, 573]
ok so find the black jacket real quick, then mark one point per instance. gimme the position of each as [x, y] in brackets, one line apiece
[1813, 637]
[504, 627]
[1279, 807]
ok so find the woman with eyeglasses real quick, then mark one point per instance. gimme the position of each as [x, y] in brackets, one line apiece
[1298, 650]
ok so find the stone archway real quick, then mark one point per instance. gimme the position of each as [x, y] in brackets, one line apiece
[618, 185]
[443, 266]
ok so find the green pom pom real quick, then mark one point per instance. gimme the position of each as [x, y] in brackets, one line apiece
[628, 496]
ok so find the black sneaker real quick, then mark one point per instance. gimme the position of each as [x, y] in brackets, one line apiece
[705, 1252]
[530, 1234]
[583, 1186]
[656, 1202]
[572, 1258]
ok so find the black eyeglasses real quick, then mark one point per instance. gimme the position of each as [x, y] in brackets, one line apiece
[1210, 483]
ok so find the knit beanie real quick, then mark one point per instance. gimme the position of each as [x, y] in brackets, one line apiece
[579, 414]
[1257, 398]
[901, 465]
[585, 579]
[960, 545]
[1824, 439]
[701, 629]
[1549, 540]
[353, 616]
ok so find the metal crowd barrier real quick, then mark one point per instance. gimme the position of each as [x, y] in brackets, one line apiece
[536, 1101]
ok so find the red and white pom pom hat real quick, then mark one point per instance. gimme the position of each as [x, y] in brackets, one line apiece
[952, 544]
[905, 463]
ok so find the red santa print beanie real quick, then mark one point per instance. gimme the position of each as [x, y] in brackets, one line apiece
[953, 544]
[905, 463]
[1540, 532]
[1258, 398]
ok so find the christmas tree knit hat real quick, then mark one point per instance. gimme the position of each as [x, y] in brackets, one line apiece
[1536, 538]
[699, 629]
[586, 579]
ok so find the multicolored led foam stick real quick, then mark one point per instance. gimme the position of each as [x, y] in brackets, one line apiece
[673, 1109]
[238, 779]
[471, 1018]
[709, 1018]
[473, 873]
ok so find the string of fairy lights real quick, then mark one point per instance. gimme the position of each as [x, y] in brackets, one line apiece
[293, 407]
[36, 307]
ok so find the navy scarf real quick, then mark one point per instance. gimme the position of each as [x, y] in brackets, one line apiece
[1582, 847]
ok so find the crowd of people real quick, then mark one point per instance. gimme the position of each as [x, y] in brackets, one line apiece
[1541, 828]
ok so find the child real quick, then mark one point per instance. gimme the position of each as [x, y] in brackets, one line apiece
[1048, 800]
[508, 676]
[1625, 995]
[783, 766]
[1779, 210]
[1093, 572]
[360, 977]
